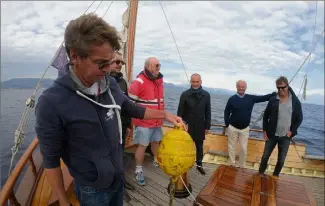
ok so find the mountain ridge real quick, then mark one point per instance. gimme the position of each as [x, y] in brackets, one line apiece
[30, 83]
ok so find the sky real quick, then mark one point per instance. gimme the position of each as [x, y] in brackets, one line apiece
[223, 41]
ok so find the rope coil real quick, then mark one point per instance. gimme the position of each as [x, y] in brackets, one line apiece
[171, 192]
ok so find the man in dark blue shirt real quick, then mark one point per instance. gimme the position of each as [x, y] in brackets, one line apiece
[237, 116]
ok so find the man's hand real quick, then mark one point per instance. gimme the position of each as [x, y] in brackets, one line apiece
[265, 136]
[128, 132]
[176, 120]
[206, 131]
[289, 134]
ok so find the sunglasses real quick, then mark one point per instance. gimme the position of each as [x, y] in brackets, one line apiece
[281, 87]
[103, 65]
[117, 62]
[157, 65]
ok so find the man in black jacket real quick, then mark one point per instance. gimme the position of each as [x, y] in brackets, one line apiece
[126, 121]
[282, 118]
[195, 109]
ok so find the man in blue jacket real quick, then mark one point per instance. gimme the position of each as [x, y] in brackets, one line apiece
[282, 118]
[237, 116]
[78, 118]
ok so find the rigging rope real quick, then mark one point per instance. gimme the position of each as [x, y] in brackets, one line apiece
[30, 103]
[99, 5]
[261, 116]
[311, 47]
[107, 9]
[174, 41]
[304, 83]
[309, 55]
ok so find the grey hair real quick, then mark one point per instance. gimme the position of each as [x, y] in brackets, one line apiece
[241, 81]
[87, 30]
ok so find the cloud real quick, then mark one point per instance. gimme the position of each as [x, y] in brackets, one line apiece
[224, 41]
[315, 91]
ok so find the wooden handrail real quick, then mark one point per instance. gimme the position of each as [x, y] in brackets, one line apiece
[6, 192]
[32, 164]
[224, 131]
[224, 126]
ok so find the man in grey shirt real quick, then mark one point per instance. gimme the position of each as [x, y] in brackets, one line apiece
[282, 118]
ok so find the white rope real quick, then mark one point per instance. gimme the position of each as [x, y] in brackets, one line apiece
[188, 190]
[118, 116]
[99, 104]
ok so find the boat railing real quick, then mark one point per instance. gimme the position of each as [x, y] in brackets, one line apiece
[7, 192]
[224, 128]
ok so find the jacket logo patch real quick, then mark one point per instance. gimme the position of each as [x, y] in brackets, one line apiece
[110, 115]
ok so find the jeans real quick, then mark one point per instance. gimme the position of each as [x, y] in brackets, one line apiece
[88, 196]
[283, 147]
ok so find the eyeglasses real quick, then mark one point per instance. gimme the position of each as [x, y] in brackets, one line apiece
[281, 87]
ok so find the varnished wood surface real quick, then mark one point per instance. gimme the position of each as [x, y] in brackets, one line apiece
[7, 192]
[43, 194]
[255, 148]
[236, 186]
[155, 192]
[228, 186]
[217, 145]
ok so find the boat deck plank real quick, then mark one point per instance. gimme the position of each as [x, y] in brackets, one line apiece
[155, 191]
[259, 189]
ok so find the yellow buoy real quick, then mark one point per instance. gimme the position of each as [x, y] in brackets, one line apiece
[176, 155]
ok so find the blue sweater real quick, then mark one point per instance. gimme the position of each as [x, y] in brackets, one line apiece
[238, 110]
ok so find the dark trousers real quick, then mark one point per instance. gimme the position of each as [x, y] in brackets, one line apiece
[124, 128]
[199, 151]
[88, 196]
[123, 142]
[283, 147]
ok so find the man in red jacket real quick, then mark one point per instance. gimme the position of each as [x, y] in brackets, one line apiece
[147, 90]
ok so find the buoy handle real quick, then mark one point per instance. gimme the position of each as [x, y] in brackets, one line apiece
[182, 127]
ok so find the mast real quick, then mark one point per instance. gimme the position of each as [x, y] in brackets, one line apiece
[133, 5]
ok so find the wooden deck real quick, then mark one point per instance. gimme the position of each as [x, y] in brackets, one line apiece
[236, 186]
[155, 192]
[216, 149]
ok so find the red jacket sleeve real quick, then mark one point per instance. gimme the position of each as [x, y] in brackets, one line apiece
[136, 89]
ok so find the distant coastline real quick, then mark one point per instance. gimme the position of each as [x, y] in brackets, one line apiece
[30, 83]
